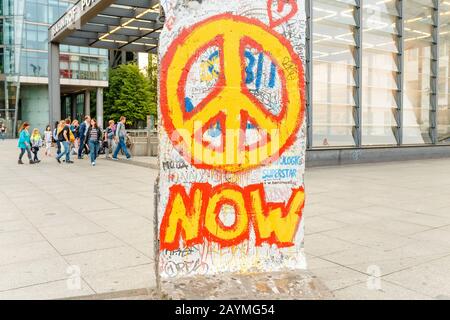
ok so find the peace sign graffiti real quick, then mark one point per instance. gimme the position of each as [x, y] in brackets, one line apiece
[230, 103]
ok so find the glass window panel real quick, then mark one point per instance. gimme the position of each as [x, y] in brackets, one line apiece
[379, 72]
[23, 64]
[104, 65]
[333, 125]
[84, 50]
[378, 135]
[53, 11]
[64, 66]
[75, 67]
[94, 51]
[333, 73]
[334, 11]
[334, 53]
[84, 68]
[376, 7]
[42, 38]
[380, 22]
[326, 136]
[417, 71]
[381, 79]
[443, 112]
[325, 72]
[43, 63]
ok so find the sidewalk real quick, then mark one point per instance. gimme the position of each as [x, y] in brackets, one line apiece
[378, 231]
[58, 221]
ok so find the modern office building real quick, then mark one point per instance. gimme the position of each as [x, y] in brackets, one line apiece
[24, 65]
[379, 74]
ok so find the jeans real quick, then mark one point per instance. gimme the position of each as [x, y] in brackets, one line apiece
[58, 148]
[2, 136]
[81, 147]
[66, 152]
[35, 152]
[122, 146]
[93, 149]
[22, 152]
[109, 148]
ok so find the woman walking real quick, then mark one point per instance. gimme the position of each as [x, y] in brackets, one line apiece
[36, 144]
[93, 138]
[75, 128]
[24, 142]
[109, 137]
[48, 141]
[56, 131]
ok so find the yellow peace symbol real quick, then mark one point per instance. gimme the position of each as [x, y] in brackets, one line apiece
[230, 102]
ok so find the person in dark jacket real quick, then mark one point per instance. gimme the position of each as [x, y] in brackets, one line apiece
[84, 126]
[93, 138]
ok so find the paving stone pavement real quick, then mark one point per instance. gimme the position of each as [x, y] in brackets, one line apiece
[59, 222]
[375, 231]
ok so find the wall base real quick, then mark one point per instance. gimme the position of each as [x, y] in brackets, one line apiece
[335, 157]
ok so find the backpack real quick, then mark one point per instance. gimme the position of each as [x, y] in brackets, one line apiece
[71, 136]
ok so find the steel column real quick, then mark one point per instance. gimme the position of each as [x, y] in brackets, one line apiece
[400, 72]
[73, 106]
[309, 74]
[99, 107]
[357, 112]
[54, 89]
[434, 80]
[87, 103]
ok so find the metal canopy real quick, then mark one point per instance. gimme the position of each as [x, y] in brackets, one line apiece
[126, 25]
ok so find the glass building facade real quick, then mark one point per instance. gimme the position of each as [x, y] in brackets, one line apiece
[24, 60]
[378, 73]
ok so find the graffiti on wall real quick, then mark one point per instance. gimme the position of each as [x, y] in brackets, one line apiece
[233, 141]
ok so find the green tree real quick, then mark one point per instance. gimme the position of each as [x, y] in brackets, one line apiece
[152, 73]
[153, 76]
[130, 95]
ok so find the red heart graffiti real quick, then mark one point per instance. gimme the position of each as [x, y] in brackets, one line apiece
[280, 8]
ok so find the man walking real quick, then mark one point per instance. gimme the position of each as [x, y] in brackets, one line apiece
[120, 136]
[82, 131]
[64, 139]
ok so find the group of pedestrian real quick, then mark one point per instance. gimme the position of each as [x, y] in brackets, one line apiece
[71, 137]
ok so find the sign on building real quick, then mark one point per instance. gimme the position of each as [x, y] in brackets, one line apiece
[232, 143]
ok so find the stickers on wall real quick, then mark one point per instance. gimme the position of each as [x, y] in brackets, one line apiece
[232, 138]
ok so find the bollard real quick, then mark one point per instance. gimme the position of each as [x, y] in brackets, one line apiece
[232, 138]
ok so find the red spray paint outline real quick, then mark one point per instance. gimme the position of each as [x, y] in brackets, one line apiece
[280, 7]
